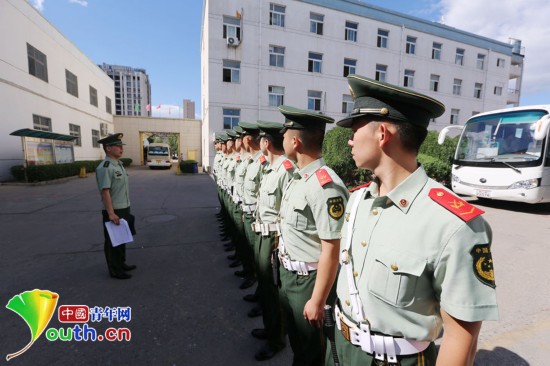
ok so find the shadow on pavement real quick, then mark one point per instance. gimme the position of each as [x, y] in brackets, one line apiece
[499, 356]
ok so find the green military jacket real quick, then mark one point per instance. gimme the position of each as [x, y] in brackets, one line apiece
[240, 172]
[252, 178]
[312, 209]
[274, 180]
[216, 165]
[111, 174]
[411, 256]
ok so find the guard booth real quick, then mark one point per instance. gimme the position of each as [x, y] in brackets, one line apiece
[45, 148]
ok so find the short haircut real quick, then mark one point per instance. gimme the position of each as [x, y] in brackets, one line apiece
[312, 139]
[411, 136]
[276, 141]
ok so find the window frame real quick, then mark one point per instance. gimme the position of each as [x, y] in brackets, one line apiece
[459, 56]
[233, 24]
[457, 87]
[38, 122]
[436, 51]
[455, 115]
[350, 33]
[480, 62]
[434, 82]
[276, 56]
[93, 96]
[74, 130]
[350, 66]
[382, 39]
[478, 90]
[233, 119]
[108, 105]
[277, 96]
[318, 24]
[312, 62]
[410, 45]
[408, 78]
[234, 71]
[277, 17]
[37, 63]
[71, 81]
[347, 104]
[314, 99]
[95, 138]
[381, 72]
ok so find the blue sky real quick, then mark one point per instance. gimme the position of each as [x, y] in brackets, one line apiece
[163, 36]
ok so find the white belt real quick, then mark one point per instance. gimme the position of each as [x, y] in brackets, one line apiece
[302, 268]
[248, 208]
[376, 344]
[237, 198]
[264, 229]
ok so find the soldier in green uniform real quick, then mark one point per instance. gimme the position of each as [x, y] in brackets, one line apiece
[277, 173]
[414, 256]
[112, 182]
[311, 218]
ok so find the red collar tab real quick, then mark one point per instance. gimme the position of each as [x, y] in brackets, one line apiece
[262, 159]
[238, 157]
[359, 187]
[456, 205]
[288, 165]
[323, 176]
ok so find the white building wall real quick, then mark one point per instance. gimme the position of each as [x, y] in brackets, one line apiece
[22, 94]
[250, 95]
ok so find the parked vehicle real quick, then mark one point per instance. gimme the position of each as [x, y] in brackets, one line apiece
[158, 155]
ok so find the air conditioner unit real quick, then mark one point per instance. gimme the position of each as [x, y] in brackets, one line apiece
[232, 41]
[104, 129]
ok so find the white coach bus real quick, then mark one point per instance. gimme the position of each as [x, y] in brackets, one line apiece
[504, 155]
[158, 155]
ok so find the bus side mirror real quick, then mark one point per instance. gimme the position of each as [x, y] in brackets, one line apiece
[541, 127]
[443, 133]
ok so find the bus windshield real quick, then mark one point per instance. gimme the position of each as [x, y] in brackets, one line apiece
[500, 138]
[157, 151]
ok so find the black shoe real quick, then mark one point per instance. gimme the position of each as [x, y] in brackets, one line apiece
[129, 267]
[232, 257]
[247, 283]
[250, 298]
[259, 333]
[266, 353]
[254, 312]
[121, 275]
[241, 273]
[235, 263]
[224, 237]
[229, 249]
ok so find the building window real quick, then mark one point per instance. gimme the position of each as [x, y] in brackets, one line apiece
[72, 83]
[314, 62]
[231, 117]
[276, 95]
[480, 61]
[93, 96]
[500, 62]
[457, 87]
[276, 56]
[314, 100]
[231, 71]
[316, 23]
[347, 104]
[108, 106]
[477, 90]
[74, 130]
[382, 39]
[351, 31]
[231, 27]
[349, 66]
[38, 63]
[95, 138]
[459, 57]
[41, 123]
[408, 80]
[436, 51]
[410, 46]
[434, 82]
[454, 116]
[381, 71]
[498, 90]
[277, 15]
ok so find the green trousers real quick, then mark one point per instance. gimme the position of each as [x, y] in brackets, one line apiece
[307, 341]
[268, 293]
[115, 256]
[251, 242]
[349, 354]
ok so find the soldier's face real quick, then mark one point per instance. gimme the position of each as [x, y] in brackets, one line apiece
[364, 144]
[263, 145]
[115, 151]
[238, 144]
[289, 143]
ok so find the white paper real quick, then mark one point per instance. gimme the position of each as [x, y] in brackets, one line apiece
[119, 234]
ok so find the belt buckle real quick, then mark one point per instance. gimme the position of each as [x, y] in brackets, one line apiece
[344, 329]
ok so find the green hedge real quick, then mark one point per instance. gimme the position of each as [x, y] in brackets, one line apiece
[188, 166]
[40, 173]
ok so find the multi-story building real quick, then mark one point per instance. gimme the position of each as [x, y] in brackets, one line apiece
[257, 55]
[132, 90]
[48, 84]
[188, 109]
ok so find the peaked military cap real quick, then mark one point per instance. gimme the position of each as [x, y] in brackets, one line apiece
[223, 137]
[301, 119]
[239, 130]
[270, 128]
[387, 101]
[231, 134]
[249, 128]
[111, 140]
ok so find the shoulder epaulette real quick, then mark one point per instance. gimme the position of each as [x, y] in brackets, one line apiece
[359, 187]
[323, 176]
[262, 159]
[106, 164]
[288, 165]
[237, 158]
[456, 205]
